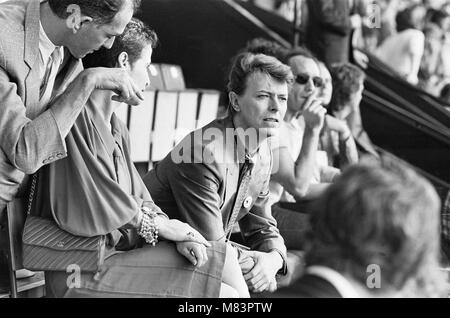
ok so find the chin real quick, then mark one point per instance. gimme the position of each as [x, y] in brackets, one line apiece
[269, 132]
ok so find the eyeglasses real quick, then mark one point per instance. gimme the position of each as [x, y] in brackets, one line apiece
[302, 79]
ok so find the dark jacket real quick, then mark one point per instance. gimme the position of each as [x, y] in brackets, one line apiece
[202, 189]
[328, 30]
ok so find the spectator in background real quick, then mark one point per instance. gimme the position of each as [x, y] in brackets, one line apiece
[336, 138]
[445, 95]
[375, 233]
[388, 24]
[432, 68]
[348, 85]
[403, 51]
[328, 27]
[300, 173]
[326, 91]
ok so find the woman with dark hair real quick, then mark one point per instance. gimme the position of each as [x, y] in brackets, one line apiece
[96, 190]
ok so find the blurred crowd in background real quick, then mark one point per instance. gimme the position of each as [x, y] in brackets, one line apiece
[410, 36]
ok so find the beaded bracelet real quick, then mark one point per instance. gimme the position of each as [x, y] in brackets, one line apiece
[149, 228]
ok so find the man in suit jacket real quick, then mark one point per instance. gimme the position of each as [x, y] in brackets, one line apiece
[328, 29]
[42, 83]
[219, 174]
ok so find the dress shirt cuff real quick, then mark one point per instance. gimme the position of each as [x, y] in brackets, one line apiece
[58, 135]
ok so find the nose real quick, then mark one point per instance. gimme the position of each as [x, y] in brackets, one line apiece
[310, 87]
[109, 43]
[274, 105]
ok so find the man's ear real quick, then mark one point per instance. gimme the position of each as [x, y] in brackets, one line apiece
[234, 101]
[75, 19]
[123, 60]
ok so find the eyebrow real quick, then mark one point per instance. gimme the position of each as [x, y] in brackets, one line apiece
[271, 93]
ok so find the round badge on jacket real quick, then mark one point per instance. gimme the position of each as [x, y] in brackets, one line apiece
[248, 202]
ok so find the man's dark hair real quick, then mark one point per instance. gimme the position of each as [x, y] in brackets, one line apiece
[266, 47]
[445, 93]
[437, 17]
[347, 80]
[405, 19]
[384, 213]
[135, 37]
[101, 11]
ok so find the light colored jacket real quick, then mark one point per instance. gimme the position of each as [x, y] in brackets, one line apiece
[29, 134]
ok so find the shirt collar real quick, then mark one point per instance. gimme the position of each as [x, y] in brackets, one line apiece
[242, 153]
[46, 46]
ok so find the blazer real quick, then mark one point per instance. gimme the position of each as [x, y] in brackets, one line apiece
[328, 30]
[198, 181]
[29, 134]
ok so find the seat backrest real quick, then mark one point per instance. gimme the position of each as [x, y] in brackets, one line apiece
[164, 123]
[173, 77]
[141, 122]
[16, 215]
[156, 77]
[209, 107]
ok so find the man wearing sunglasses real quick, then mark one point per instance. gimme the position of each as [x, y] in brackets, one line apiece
[299, 173]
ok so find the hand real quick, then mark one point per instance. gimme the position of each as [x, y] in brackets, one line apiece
[177, 231]
[314, 114]
[356, 21]
[262, 276]
[361, 59]
[194, 252]
[119, 81]
[338, 126]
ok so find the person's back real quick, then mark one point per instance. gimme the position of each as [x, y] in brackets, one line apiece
[403, 52]
[374, 233]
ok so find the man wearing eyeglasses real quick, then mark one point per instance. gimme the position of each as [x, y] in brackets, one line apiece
[299, 172]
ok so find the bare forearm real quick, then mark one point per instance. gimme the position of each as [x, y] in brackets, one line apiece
[314, 191]
[304, 166]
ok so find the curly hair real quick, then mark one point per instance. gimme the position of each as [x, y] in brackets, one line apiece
[101, 11]
[347, 80]
[135, 37]
[383, 213]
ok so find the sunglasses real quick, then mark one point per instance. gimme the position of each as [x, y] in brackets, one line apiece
[302, 79]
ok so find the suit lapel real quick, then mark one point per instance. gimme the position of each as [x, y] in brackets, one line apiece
[70, 68]
[31, 55]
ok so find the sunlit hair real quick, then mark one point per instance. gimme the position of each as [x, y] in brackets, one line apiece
[101, 11]
[347, 80]
[382, 213]
[245, 64]
[133, 40]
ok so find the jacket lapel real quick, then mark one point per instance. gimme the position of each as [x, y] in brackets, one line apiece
[70, 69]
[31, 55]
